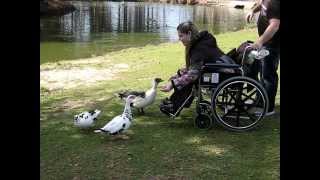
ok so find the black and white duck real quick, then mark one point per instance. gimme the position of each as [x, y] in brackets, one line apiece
[121, 122]
[143, 98]
[86, 119]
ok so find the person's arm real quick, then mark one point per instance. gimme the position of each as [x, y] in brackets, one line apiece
[168, 87]
[190, 76]
[186, 77]
[193, 72]
[273, 27]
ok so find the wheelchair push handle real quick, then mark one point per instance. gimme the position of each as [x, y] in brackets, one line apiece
[254, 54]
[259, 54]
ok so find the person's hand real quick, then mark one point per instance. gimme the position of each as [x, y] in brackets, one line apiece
[256, 45]
[183, 69]
[249, 17]
[166, 88]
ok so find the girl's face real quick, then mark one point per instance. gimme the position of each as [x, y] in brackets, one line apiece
[185, 38]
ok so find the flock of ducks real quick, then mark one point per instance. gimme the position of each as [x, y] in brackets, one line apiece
[120, 123]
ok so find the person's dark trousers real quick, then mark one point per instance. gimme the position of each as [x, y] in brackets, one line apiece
[269, 68]
[270, 76]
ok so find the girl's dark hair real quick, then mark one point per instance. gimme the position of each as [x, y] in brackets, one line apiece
[187, 26]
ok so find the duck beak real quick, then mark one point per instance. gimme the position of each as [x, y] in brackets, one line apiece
[159, 80]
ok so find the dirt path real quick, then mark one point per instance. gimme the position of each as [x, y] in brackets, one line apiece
[82, 72]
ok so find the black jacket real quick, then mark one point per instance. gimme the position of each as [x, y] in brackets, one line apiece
[203, 48]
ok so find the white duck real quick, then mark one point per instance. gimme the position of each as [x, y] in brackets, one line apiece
[143, 99]
[86, 119]
[121, 122]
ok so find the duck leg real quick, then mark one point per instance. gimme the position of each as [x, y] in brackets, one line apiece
[142, 111]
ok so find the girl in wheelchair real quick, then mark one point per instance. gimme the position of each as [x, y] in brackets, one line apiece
[237, 102]
[200, 47]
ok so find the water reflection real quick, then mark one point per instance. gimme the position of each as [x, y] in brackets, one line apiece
[93, 19]
[99, 27]
[219, 19]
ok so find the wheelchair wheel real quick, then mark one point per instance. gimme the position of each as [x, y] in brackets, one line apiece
[239, 103]
[204, 115]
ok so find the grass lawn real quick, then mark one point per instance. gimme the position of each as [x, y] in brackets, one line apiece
[157, 147]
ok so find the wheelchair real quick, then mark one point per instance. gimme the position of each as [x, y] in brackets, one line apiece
[224, 94]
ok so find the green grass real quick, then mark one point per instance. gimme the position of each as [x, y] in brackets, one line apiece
[157, 147]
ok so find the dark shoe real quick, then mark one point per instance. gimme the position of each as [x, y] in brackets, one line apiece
[166, 107]
[164, 111]
[166, 101]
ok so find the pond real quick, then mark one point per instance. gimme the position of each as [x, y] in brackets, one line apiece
[99, 27]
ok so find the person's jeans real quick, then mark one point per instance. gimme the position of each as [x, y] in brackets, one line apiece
[269, 74]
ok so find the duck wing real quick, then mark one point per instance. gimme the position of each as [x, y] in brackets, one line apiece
[125, 94]
[149, 98]
[117, 124]
[139, 102]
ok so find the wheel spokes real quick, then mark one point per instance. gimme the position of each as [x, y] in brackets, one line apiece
[239, 104]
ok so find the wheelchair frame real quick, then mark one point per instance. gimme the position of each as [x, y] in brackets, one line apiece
[230, 92]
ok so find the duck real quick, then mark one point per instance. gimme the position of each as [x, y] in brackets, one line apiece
[121, 122]
[86, 119]
[143, 98]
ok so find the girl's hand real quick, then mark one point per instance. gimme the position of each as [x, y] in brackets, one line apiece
[166, 88]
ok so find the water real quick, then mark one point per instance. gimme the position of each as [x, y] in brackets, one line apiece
[100, 27]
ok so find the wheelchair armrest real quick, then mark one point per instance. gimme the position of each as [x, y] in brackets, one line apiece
[226, 59]
[214, 66]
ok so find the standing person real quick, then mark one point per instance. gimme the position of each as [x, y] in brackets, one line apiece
[269, 36]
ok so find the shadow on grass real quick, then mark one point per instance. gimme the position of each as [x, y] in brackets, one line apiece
[157, 146]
